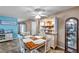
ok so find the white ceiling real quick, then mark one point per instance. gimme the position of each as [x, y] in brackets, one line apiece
[26, 12]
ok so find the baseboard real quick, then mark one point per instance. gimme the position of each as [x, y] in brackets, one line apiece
[61, 47]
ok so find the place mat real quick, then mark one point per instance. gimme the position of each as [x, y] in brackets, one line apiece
[33, 38]
[31, 45]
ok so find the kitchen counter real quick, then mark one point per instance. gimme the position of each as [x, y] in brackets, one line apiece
[9, 46]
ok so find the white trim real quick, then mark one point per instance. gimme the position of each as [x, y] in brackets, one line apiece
[61, 47]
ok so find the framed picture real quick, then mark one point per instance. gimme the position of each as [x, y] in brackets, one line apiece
[7, 23]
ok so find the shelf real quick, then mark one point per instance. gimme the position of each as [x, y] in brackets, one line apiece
[2, 34]
[71, 32]
[47, 26]
[48, 33]
[48, 30]
[71, 48]
[4, 40]
[67, 51]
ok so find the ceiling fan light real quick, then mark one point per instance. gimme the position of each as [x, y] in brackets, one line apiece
[37, 17]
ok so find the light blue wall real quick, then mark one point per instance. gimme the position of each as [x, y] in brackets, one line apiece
[13, 28]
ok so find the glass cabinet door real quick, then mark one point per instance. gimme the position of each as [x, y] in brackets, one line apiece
[71, 35]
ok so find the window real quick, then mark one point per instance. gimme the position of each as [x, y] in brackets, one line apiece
[22, 28]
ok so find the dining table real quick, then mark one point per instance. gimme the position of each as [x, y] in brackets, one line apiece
[33, 43]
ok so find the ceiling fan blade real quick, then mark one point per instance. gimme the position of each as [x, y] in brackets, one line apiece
[39, 15]
[33, 15]
[43, 15]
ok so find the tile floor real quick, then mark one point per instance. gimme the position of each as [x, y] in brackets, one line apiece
[57, 50]
[10, 47]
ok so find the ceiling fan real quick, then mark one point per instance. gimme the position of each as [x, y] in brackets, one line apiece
[35, 11]
[40, 12]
